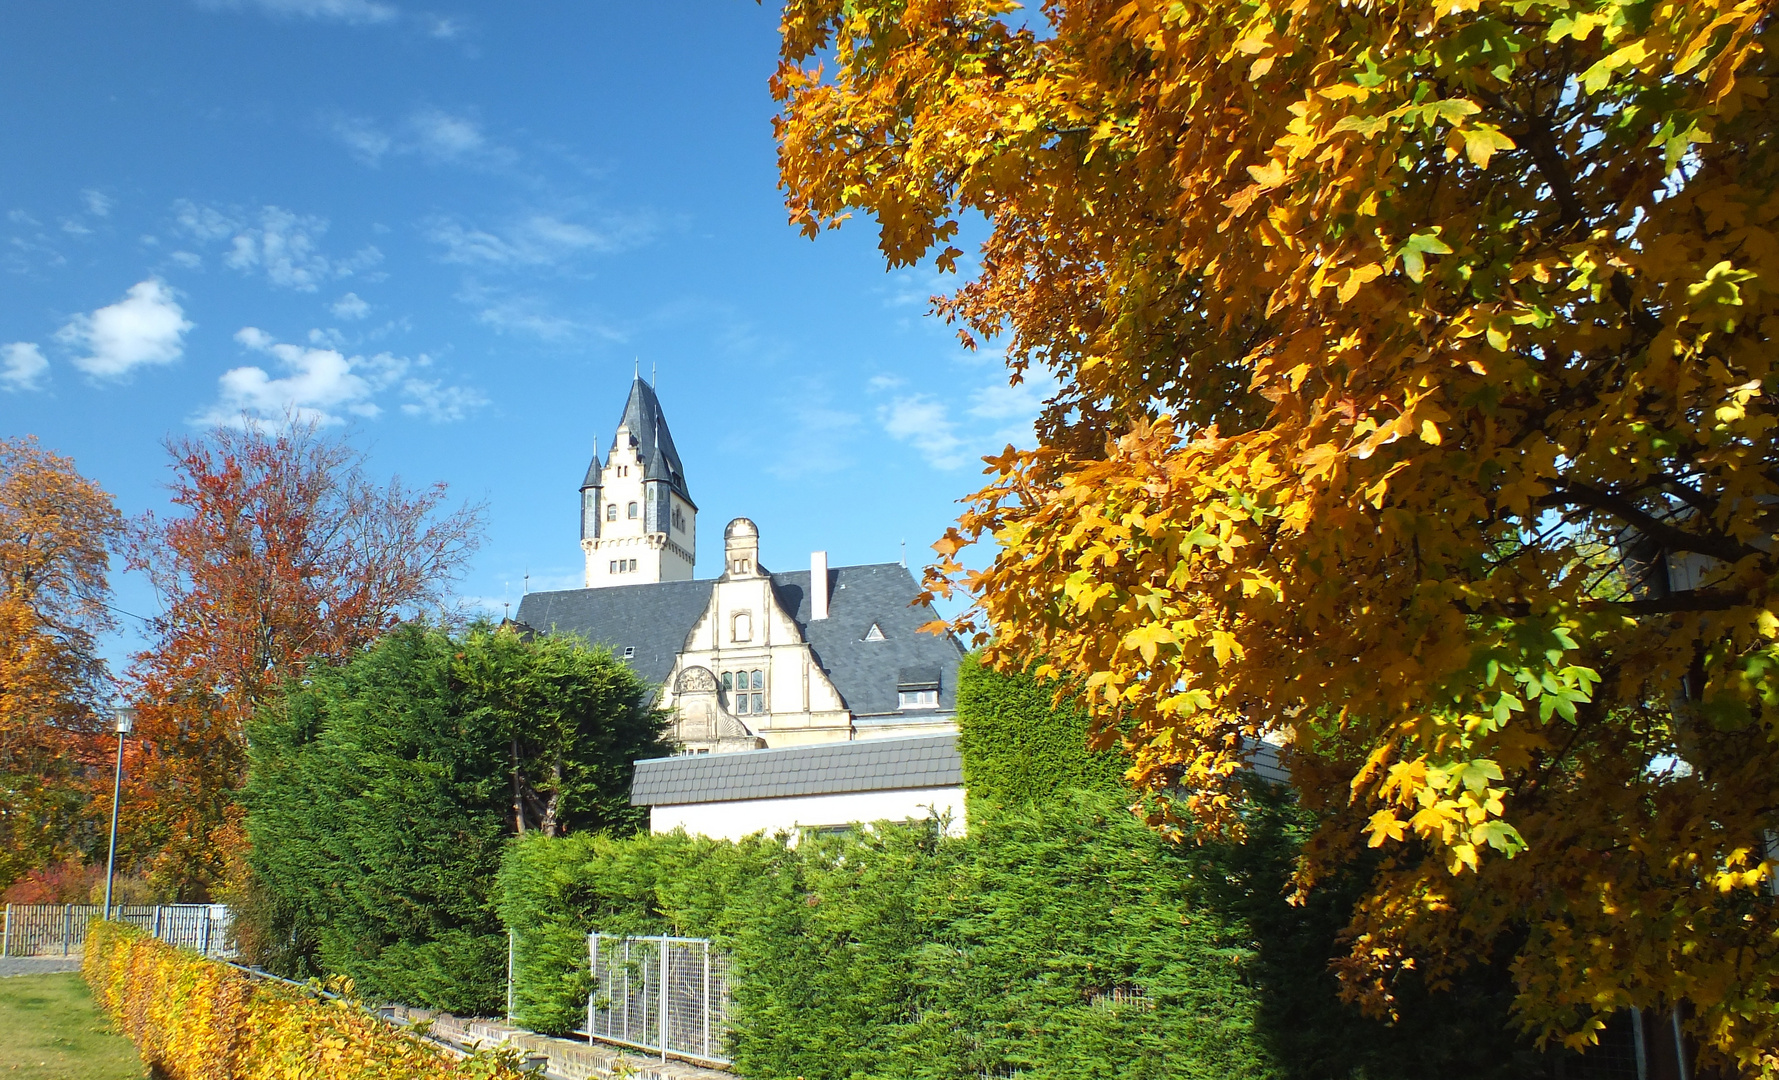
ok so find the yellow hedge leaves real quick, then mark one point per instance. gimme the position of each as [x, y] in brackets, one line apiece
[193, 1019]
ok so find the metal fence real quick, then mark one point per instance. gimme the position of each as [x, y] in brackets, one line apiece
[60, 929]
[665, 994]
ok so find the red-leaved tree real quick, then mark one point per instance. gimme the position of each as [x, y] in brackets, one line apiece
[286, 554]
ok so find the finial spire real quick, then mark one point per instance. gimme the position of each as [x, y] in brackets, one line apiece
[637, 372]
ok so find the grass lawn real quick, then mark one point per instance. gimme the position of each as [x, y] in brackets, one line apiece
[50, 1028]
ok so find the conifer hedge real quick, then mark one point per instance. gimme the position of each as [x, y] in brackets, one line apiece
[382, 792]
[1020, 745]
[1060, 939]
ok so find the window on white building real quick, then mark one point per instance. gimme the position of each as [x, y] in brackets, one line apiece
[743, 627]
[679, 520]
[611, 511]
[746, 689]
[632, 511]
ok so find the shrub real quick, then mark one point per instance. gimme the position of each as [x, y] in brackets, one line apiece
[383, 790]
[194, 1019]
[553, 891]
[1019, 746]
[1059, 939]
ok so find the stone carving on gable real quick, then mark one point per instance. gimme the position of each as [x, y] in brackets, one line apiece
[701, 723]
[696, 680]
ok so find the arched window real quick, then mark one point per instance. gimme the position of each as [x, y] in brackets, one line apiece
[632, 511]
[742, 627]
[611, 511]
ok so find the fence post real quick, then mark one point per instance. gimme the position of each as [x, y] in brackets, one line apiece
[67, 926]
[662, 1025]
[593, 995]
[704, 1002]
[6, 934]
[206, 931]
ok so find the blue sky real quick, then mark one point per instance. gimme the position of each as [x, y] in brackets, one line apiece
[452, 232]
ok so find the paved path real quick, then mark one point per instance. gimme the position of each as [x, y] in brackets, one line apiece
[37, 965]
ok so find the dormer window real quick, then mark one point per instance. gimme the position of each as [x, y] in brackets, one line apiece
[917, 688]
[875, 633]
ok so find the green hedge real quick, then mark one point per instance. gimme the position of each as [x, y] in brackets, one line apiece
[381, 797]
[895, 952]
[1019, 747]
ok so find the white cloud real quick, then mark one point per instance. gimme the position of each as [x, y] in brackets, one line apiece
[22, 366]
[434, 134]
[925, 424]
[283, 245]
[443, 135]
[350, 307]
[203, 222]
[438, 403]
[533, 240]
[997, 414]
[367, 142]
[188, 259]
[319, 384]
[146, 327]
[354, 12]
[98, 203]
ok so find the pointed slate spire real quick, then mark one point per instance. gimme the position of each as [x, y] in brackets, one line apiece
[653, 442]
[595, 471]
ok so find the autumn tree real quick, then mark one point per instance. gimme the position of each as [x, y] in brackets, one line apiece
[1417, 410]
[285, 553]
[56, 529]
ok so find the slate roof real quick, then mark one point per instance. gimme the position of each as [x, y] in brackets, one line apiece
[651, 619]
[654, 443]
[655, 620]
[917, 761]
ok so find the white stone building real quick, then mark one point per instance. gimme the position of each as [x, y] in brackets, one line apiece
[750, 659]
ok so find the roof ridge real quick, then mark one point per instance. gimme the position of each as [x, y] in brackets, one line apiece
[865, 744]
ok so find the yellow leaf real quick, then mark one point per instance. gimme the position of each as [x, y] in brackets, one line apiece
[1269, 175]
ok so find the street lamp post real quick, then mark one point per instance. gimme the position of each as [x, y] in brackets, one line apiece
[126, 719]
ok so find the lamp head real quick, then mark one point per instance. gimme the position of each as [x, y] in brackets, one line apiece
[125, 718]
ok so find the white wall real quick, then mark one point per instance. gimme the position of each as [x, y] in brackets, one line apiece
[734, 820]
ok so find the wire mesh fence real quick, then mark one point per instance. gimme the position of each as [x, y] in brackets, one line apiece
[669, 995]
[60, 929]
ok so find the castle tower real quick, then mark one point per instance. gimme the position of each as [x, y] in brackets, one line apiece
[638, 523]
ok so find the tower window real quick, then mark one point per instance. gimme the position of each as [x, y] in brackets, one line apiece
[632, 511]
[679, 520]
[611, 511]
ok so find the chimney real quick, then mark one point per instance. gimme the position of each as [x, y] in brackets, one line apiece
[818, 585]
